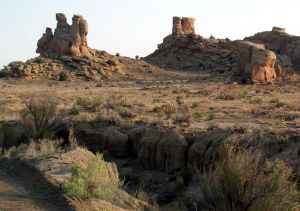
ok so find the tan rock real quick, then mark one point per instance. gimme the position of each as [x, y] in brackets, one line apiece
[255, 62]
[68, 40]
[183, 26]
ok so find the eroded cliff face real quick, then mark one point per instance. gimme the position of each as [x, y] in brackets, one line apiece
[67, 40]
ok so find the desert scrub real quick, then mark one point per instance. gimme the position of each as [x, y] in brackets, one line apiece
[244, 180]
[108, 117]
[92, 105]
[277, 103]
[92, 181]
[41, 118]
[256, 101]
[63, 76]
[169, 109]
[125, 112]
[12, 136]
[33, 149]
[181, 117]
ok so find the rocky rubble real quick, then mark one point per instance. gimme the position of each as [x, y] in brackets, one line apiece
[96, 68]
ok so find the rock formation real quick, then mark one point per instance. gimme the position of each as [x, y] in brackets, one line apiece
[67, 40]
[286, 47]
[183, 25]
[255, 62]
[183, 49]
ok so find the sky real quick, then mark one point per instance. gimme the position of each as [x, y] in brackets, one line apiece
[135, 27]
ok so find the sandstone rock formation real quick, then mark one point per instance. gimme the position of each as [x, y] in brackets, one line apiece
[255, 62]
[183, 49]
[161, 149]
[183, 25]
[283, 44]
[67, 40]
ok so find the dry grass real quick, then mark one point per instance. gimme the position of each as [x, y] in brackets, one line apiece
[207, 103]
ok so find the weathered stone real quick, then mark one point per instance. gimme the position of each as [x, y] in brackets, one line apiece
[255, 62]
[68, 40]
[183, 26]
[278, 29]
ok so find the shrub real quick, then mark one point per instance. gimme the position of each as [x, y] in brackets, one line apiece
[179, 100]
[108, 117]
[118, 54]
[137, 57]
[125, 113]
[181, 118]
[256, 101]
[92, 181]
[63, 76]
[41, 117]
[33, 149]
[12, 136]
[169, 109]
[243, 180]
[92, 105]
[277, 103]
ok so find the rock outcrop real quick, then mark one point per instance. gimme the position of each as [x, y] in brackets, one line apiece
[65, 55]
[255, 62]
[67, 40]
[284, 45]
[185, 50]
[183, 25]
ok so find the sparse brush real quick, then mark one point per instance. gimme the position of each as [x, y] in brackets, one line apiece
[125, 113]
[41, 117]
[169, 109]
[277, 103]
[181, 118]
[92, 105]
[244, 180]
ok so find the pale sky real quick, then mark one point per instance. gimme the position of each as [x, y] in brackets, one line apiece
[135, 27]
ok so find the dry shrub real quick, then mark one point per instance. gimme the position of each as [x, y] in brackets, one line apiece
[244, 180]
[169, 109]
[41, 118]
[33, 149]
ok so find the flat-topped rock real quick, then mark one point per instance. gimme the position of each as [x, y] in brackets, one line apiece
[183, 26]
[278, 29]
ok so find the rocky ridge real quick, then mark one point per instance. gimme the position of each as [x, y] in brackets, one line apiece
[259, 59]
[65, 54]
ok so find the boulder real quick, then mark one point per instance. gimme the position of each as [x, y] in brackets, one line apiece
[255, 62]
[206, 149]
[161, 149]
[104, 139]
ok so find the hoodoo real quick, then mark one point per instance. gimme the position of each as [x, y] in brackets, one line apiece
[67, 40]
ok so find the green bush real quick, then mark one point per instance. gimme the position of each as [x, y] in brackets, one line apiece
[244, 181]
[92, 181]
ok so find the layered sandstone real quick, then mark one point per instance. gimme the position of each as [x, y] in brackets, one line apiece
[183, 25]
[67, 40]
[286, 47]
[255, 62]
